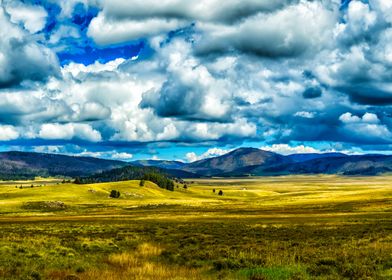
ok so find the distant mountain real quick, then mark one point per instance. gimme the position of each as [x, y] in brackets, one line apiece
[306, 157]
[348, 165]
[255, 162]
[22, 165]
[240, 162]
[167, 164]
[237, 159]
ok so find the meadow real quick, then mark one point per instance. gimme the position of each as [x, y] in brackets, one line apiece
[289, 227]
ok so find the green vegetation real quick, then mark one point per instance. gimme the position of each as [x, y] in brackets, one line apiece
[297, 227]
[115, 194]
[130, 173]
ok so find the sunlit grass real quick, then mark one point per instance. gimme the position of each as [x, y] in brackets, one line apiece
[294, 227]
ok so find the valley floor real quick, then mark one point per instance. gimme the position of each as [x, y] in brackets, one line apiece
[295, 227]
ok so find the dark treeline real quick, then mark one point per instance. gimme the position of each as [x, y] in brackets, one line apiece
[130, 173]
[17, 177]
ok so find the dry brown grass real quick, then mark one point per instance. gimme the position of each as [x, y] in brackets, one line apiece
[140, 265]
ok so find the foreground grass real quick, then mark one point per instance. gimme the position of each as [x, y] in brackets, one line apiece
[316, 227]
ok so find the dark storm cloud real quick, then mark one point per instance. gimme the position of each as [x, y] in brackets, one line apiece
[312, 92]
[192, 10]
[27, 61]
[174, 100]
[22, 57]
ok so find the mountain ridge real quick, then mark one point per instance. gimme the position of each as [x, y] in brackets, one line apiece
[239, 162]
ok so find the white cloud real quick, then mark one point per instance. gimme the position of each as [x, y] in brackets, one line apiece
[368, 118]
[8, 133]
[213, 152]
[69, 131]
[283, 33]
[367, 128]
[106, 32]
[349, 118]
[22, 58]
[48, 149]
[304, 114]
[32, 17]
[285, 149]
[122, 156]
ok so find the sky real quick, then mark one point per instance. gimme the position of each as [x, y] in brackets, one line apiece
[186, 80]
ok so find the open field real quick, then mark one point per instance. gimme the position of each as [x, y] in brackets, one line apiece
[296, 227]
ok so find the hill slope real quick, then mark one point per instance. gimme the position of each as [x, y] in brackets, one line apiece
[128, 173]
[167, 164]
[21, 165]
[234, 160]
[347, 165]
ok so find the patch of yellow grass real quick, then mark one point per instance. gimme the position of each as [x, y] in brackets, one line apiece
[139, 265]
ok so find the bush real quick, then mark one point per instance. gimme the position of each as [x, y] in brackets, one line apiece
[114, 194]
[141, 183]
[220, 192]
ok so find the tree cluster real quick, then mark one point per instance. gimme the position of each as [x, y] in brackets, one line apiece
[130, 173]
[114, 194]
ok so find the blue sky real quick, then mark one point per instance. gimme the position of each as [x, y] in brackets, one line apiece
[186, 80]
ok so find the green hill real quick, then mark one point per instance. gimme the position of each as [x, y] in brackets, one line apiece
[130, 173]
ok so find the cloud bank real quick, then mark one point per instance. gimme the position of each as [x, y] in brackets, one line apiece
[206, 73]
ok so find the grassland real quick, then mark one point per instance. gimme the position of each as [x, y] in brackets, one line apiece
[296, 227]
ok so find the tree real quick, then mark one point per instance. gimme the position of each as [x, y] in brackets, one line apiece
[220, 193]
[114, 194]
[141, 183]
[214, 190]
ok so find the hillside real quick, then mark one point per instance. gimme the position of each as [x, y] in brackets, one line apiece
[240, 162]
[306, 157]
[128, 173]
[167, 164]
[22, 165]
[234, 160]
[348, 165]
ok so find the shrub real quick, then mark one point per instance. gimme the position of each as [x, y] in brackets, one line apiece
[220, 192]
[114, 194]
[141, 183]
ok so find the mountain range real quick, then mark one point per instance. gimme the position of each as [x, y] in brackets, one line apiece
[238, 163]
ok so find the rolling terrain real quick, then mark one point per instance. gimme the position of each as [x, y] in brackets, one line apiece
[23, 165]
[288, 227]
[237, 163]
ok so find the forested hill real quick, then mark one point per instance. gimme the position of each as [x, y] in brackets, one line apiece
[23, 165]
[127, 173]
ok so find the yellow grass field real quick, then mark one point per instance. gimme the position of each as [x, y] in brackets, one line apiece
[290, 227]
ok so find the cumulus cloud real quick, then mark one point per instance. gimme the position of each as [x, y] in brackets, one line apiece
[123, 156]
[285, 149]
[210, 71]
[213, 152]
[284, 33]
[367, 128]
[121, 21]
[8, 132]
[69, 131]
[21, 56]
[32, 17]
